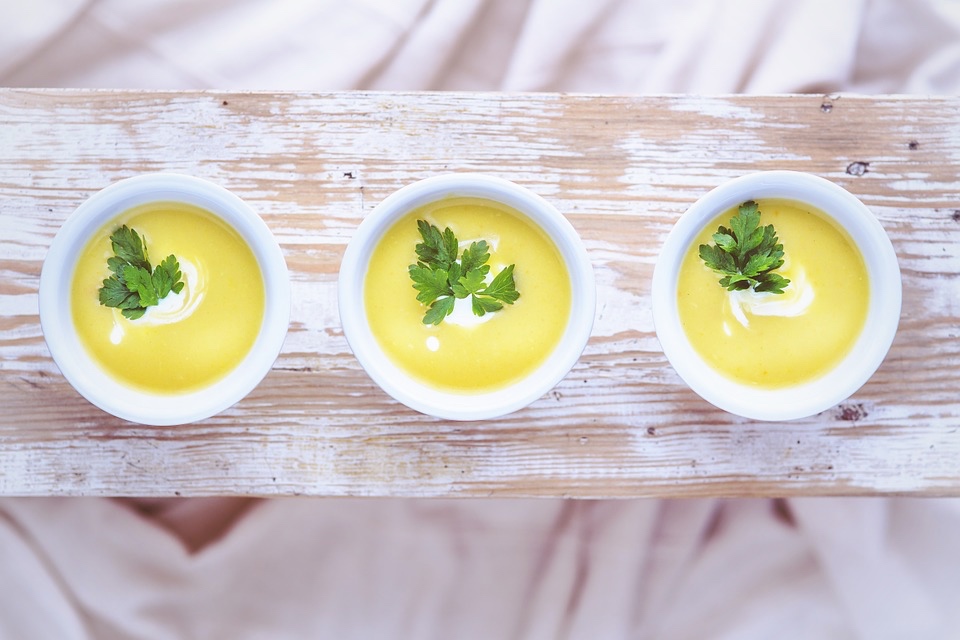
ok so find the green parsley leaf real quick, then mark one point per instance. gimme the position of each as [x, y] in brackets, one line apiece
[134, 285]
[475, 257]
[440, 278]
[129, 247]
[114, 293]
[439, 310]
[481, 305]
[116, 265]
[439, 249]
[471, 283]
[167, 277]
[503, 287]
[431, 283]
[746, 254]
[141, 280]
[772, 282]
[133, 314]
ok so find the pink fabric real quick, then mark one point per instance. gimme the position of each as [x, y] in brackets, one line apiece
[370, 568]
[697, 46]
[211, 568]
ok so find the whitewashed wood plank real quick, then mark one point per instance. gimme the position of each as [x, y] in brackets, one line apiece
[622, 168]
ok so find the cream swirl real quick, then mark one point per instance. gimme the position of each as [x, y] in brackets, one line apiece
[794, 301]
[174, 307]
[463, 315]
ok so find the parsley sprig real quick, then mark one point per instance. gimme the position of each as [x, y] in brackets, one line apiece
[746, 254]
[441, 279]
[135, 285]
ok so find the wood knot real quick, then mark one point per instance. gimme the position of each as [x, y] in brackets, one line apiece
[826, 104]
[857, 168]
[852, 412]
[913, 145]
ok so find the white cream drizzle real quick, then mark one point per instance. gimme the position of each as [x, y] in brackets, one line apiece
[463, 316]
[174, 307]
[794, 301]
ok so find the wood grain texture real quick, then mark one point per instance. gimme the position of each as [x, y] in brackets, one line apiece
[621, 168]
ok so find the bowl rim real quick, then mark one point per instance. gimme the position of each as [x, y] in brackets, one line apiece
[89, 378]
[421, 396]
[871, 346]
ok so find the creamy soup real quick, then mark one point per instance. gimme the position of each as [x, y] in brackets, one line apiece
[192, 338]
[466, 353]
[777, 340]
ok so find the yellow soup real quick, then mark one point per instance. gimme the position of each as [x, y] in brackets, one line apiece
[191, 339]
[777, 340]
[465, 353]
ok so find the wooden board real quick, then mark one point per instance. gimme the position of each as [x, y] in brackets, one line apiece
[622, 169]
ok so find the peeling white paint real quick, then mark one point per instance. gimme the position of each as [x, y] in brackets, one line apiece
[620, 424]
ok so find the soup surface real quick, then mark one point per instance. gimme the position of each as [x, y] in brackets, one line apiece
[191, 339]
[466, 353]
[777, 340]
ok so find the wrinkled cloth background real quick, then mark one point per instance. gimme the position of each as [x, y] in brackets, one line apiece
[380, 568]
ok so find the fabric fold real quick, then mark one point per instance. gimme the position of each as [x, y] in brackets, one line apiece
[367, 568]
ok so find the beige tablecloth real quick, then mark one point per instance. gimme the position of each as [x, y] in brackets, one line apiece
[366, 568]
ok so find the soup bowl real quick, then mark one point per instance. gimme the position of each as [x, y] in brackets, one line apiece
[869, 348]
[412, 390]
[79, 366]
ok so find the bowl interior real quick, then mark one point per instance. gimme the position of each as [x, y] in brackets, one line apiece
[869, 350]
[420, 396]
[86, 376]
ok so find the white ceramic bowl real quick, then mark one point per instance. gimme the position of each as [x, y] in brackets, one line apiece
[87, 377]
[423, 397]
[867, 353]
